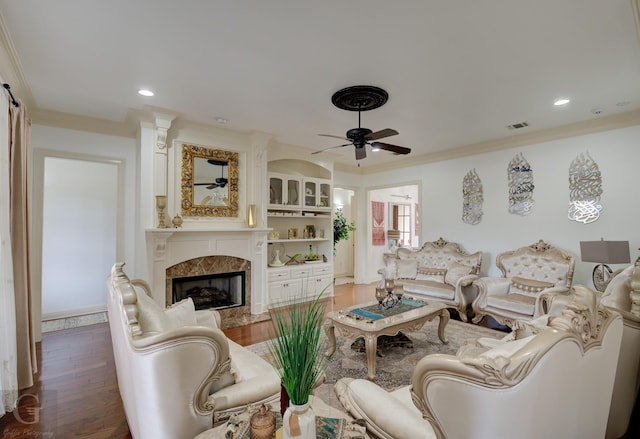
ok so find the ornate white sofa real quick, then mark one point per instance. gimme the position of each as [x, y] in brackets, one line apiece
[440, 270]
[556, 383]
[527, 273]
[623, 295]
[176, 369]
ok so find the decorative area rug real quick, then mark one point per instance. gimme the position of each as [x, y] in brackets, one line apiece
[394, 364]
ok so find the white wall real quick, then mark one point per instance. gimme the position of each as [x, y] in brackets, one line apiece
[61, 142]
[616, 152]
[77, 237]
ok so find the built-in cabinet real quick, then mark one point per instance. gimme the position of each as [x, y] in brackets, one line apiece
[305, 280]
[299, 214]
[284, 191]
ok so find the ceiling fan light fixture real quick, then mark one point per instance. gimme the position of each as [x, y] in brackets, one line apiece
[363, 98]
[561, 101]
[145, 92]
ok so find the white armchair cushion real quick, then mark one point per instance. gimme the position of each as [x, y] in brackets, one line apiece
[455, 272]
[518, 303]
[388, 415]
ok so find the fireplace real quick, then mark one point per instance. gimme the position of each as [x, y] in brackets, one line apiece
[207, 280]
[211, 291]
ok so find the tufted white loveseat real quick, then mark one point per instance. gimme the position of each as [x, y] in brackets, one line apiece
[440, 270]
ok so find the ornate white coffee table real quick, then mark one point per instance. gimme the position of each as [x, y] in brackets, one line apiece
[363, 321]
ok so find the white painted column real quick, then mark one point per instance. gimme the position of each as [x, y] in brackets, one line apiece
[256, 194]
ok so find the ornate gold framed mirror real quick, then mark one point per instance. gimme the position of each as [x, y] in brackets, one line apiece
[209, 182]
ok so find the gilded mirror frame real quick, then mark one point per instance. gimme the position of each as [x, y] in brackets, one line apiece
[226, 202]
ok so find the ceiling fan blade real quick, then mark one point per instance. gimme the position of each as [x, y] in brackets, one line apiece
[387, 132]
[361, 152]
[331, 135]
[393, 148]
[331, 147]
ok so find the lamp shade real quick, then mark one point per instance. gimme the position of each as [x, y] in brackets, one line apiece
[605, 252]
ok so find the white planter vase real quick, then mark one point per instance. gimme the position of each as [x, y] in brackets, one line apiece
[306, 421]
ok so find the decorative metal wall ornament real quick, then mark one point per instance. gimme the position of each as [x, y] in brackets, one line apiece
[585, 189]
[472, 198]
[520, 186]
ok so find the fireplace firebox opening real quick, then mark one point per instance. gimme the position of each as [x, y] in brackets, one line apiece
[211, 291]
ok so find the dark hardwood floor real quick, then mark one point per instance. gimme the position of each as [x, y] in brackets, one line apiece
[76, 393]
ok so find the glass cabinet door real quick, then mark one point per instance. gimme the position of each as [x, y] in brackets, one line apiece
[310, 194]
[293, 192]
[325, 195]
[276, 193]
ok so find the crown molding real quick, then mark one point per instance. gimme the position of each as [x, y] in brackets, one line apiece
[83, 123]
[607, 123]
[11, 71]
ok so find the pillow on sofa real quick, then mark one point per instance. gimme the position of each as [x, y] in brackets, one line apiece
[406, 268]
[455, 272]
[182, 313]
[529, 285]
[153, 319]
[431, 273]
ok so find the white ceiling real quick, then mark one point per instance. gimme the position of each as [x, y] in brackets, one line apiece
[457, 72]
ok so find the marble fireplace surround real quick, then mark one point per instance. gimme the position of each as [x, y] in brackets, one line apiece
[209, 265]
[210, 251]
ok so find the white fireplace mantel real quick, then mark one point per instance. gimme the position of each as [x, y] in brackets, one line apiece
[167, 247]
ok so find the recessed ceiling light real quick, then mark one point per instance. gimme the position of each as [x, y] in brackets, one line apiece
[145, 92]
[561, 101]
[222, 120]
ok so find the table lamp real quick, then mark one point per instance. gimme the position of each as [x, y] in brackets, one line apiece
[604, 252]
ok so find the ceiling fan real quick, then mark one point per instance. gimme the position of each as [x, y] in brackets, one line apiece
[363, 98]
[220, 182]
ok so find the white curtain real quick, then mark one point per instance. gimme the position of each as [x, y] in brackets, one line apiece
[8, 349]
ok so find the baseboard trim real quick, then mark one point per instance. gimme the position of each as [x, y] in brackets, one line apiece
[73, 312]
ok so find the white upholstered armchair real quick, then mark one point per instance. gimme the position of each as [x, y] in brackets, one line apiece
[176, 369]
[527, 273]
[623, 295]
[556, 383]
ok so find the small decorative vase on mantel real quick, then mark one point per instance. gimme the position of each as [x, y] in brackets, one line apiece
[299, 422]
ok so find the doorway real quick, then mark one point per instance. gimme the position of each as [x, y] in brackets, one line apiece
[76, 225]
[343, 266]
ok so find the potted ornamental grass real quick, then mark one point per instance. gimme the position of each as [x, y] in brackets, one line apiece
[296, 348]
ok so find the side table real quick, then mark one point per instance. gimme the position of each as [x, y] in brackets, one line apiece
[319, 407]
